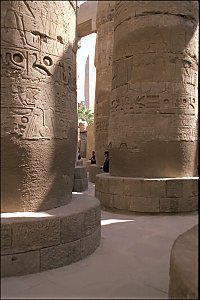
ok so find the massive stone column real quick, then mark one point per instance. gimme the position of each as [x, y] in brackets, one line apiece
[38, 105]
[43, 226]
[153, 113]
[103, 63]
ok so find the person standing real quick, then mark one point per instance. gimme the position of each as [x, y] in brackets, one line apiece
[106, 162]
[93, 158]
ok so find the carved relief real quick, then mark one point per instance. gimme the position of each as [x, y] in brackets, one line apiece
[159, 103]
[32, 40]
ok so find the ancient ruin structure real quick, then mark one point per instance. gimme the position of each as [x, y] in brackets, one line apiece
[43, 226]
[103, 63]
[183, 283]
[153, 113]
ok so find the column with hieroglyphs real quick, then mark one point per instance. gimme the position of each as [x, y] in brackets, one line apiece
[103, 63]
[43, 226]
[154, 106]
[39, 120]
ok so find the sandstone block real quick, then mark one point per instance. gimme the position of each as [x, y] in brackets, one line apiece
[144, 204]
[121, 202]
[183, 281]
[187, 188]
[90, 243]
[71, 228]
[106, 200]
[174, 188]
[116, 186]
[103, 183]
[136, 187]
[195, 187]
[169, 204]
[157, 188]
[36, 234]
[60, 255]
[20, 263]
[90, 221]
[188, 204]
[80, 172]
[80, 185]
[6, 238]
[93, 171]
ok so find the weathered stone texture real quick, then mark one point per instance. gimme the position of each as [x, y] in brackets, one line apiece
[103, 62]
[56, 238]
[38, 104]
[80, 179]
[146, 195]
[183, 282]
[90, 141]
[20, 263]
[67, 253]
[154, 105]
[93, 171]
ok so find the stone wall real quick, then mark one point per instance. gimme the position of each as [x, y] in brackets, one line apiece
[38, 104]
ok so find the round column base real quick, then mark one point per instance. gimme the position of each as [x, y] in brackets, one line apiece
[157, 195]
[32, 242]
[93, 171]
[183, 283]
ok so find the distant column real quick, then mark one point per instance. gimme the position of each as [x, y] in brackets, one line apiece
[103, 62]
[87, 84]
[38, 104]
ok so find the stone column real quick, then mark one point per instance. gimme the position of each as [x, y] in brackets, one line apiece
[90, 141]
[153, 113]
[38, 104]
[43, 226]
[103, 63]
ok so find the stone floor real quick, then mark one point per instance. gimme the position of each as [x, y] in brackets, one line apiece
[132, 262]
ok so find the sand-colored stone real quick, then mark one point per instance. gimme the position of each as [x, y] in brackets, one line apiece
[183, 283]
[38, 104]
[80, 179]
[86, 18]
[103, 63]
[90, 141]
[146, 195]
[93, 171]
[57, 237]
[154, 106]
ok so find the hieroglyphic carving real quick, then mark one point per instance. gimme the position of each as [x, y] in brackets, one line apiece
[169, 104]
[37, 82]
[101, 125]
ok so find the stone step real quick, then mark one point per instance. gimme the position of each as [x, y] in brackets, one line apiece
[37, 241]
